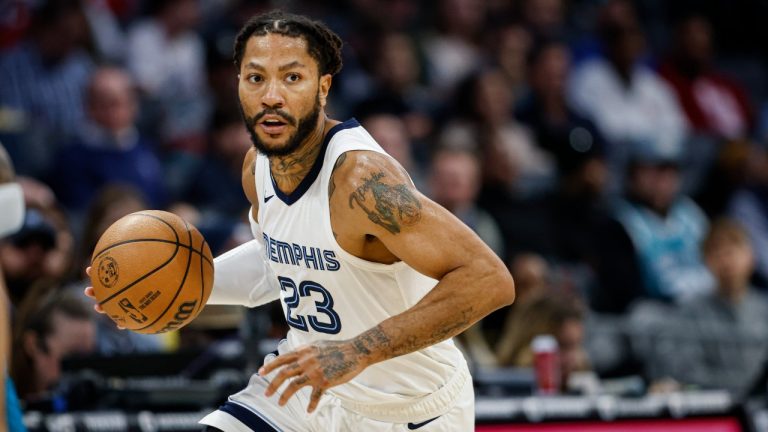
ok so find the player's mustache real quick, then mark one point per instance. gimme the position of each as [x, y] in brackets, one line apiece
[273, 111]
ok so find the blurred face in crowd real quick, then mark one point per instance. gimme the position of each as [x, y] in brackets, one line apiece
[71, 336]
[544, 15]
[462, 17]
[455, 179]
[232, 141]
[549, 73]
[493, 98]
[626, 47]
[656, 185]
[112, 100]
[281, 92]
[397, 65]
[56, 40]
[621, 33]
[695, 41]
[181, 16]
[570, 339]
[729, 257]
[513, 45]
[391, 133]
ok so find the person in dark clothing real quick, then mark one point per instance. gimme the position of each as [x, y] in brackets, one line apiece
[650, 247]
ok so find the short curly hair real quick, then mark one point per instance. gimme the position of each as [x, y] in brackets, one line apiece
[324, 45]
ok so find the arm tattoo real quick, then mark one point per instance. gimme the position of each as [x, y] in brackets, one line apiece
[335, 363]
[376, 339]
[386, 205]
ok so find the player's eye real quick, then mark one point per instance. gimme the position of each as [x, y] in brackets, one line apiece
[254, 78]
[293, 77]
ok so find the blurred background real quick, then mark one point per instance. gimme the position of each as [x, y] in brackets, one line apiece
[613, 153]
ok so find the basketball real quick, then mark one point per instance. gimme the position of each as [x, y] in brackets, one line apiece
[152, 272]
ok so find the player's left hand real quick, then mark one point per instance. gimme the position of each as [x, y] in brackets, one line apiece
[321, 365]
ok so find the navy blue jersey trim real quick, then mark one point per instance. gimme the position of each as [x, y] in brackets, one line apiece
[250, 418]
[294, 196]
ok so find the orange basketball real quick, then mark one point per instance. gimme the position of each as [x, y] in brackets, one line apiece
[152, 272]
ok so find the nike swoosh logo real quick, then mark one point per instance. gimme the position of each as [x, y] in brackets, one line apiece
[268, 198]
[414, 426]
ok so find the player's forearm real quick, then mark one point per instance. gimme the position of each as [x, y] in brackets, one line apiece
[460, 299]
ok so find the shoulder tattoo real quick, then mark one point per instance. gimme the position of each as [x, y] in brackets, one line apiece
[390, 206]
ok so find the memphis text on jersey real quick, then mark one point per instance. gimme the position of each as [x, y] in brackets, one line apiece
[300, 255]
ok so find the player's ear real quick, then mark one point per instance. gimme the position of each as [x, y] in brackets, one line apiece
[325, 87]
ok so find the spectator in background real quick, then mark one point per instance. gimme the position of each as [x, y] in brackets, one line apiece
[109, 148]
[577, 207]
[110, 204]
[167, 59]
[453, 52]
[391, 132]
[652, 247]
[516, 165]
[555, 124]
[454, 183]
[532, 280]
[512, 44]
[626, 100]
[713, 103]
[749, 206]
[544, 18]
[25, 256]
[398, 75]
[213, 183]
[719, 339]
[51, 327]
[43, 80]
[551, 314]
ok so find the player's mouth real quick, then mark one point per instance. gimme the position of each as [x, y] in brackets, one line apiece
[273, 125]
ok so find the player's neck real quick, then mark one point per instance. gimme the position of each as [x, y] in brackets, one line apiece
[288, 171]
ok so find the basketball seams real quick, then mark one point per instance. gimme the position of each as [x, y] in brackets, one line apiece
[155, 240]
[175, 234]
[181, 285]
[202, 278]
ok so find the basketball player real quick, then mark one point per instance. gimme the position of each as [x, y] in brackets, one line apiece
[374, 278]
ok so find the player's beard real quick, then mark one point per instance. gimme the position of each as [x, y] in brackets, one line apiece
[304, 127]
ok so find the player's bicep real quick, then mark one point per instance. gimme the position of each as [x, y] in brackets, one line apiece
[383, 202]
[436, 243]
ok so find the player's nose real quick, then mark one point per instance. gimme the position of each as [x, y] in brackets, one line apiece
[273, 97]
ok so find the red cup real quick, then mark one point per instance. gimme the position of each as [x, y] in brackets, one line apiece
[546, 363]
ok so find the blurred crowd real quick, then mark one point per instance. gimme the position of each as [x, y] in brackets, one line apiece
[612, 152]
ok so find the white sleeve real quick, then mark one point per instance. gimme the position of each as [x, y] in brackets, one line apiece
[242, 276]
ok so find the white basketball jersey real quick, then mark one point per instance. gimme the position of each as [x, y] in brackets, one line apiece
[329, 294]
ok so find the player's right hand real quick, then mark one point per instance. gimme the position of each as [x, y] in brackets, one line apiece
[88, 291]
